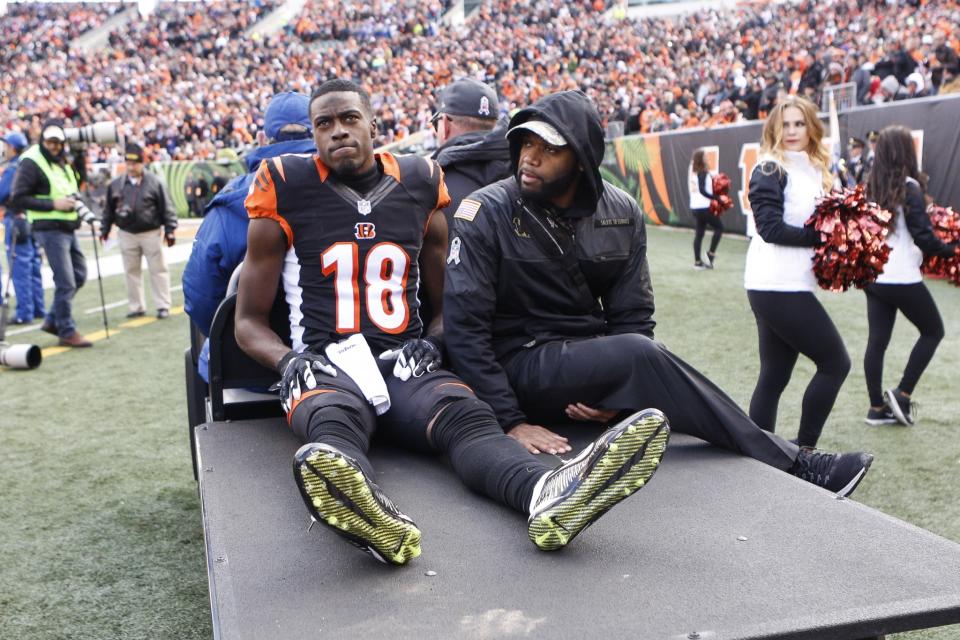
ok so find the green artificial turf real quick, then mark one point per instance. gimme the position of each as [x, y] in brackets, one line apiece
[100, 531]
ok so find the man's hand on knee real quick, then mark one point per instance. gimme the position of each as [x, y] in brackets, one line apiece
[297, 375]
[538, 439]
[580, 411]
[414, 358]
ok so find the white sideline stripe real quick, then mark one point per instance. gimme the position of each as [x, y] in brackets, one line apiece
[113, 265]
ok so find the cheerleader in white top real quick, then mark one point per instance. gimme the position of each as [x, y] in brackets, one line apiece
[700, 185]
[896, 184]
[791, 175]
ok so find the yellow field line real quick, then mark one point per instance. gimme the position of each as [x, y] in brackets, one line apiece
[97, 336]
[137, 322]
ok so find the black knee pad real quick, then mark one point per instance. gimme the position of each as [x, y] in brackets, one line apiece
[329, 407]
[463, 417]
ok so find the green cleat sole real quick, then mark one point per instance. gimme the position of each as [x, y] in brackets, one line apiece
[345, 503]
[626, 465]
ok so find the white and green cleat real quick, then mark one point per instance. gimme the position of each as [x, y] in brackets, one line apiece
[340, 496]
[574, 495]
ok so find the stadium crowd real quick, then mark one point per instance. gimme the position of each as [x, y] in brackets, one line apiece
[38, 31]
[188, 81]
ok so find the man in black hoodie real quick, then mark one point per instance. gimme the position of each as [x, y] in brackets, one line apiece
[473, 149]
[548, 306]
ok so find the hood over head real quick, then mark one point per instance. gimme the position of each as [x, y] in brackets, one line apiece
[573, 115]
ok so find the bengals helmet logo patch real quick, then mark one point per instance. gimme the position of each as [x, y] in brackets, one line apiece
[365, 230]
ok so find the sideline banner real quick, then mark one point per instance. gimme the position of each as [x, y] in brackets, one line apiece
[654, 168]
[179, 175]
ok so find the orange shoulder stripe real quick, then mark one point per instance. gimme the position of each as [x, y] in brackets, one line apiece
[322, 169]
[390, 165]
[443, 196]
[261, 201]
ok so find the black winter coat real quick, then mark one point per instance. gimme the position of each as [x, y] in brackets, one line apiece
[521, 274]
[139, 208]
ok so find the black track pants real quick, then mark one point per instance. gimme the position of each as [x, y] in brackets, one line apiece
[632, 372]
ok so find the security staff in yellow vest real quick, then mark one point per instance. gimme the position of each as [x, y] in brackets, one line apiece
[44, 187]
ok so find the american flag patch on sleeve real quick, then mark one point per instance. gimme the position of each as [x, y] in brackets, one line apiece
[467, 210]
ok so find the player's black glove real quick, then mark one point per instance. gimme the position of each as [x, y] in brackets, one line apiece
[414, 357]
[296, 371]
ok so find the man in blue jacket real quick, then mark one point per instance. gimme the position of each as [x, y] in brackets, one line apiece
[23, 256]
[221, 241]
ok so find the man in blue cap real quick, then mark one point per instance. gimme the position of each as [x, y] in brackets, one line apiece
[23, 256]
[221, 241]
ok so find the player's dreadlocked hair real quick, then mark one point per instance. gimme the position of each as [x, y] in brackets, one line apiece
[337, 85]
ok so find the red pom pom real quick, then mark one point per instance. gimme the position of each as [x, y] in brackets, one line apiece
[853, 231]
[946, 226]
[721, 189]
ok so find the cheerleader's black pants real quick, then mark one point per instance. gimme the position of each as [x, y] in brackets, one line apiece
[916, 303]
[789, 324]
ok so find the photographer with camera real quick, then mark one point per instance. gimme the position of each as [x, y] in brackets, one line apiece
[45, 187]
[139, 205]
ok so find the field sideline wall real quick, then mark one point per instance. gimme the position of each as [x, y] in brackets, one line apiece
[654, 167]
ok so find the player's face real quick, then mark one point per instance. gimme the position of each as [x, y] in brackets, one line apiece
[795, 134]
[343, 131]
[135, 169]
[546, 172]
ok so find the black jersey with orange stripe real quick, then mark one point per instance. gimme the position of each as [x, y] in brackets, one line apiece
[352, 262]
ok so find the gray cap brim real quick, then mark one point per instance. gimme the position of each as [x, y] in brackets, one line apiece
[543, 129]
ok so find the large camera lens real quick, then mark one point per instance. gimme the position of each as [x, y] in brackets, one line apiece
[20, 356]
[99, 132]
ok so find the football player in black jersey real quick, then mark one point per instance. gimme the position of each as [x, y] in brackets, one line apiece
[354, 238]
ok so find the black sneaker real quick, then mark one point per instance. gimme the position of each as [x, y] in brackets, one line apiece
[903, 409]
[711, 260]
[881, 416]
[574, 495]
[837, 472]
[339, 495]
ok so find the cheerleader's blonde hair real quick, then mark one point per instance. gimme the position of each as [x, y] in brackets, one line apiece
[771, 141]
